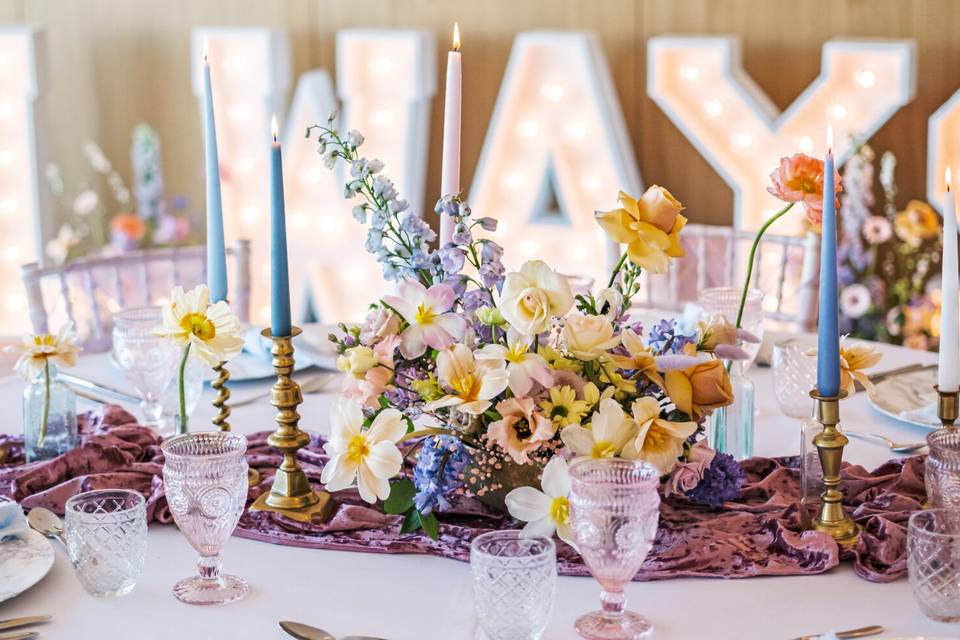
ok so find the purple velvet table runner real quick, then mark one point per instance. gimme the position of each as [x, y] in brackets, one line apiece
[755, 536]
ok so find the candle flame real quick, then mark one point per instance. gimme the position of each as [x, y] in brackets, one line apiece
[829, 138]
[946, 178]
[456, 37]
[206, 48]
[274, 129]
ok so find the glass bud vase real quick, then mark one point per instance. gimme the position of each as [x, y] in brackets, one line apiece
[730, 428]
[60, 434]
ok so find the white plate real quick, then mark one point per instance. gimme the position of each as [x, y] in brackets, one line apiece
[23, 563]
[909, 398]
[312, 349]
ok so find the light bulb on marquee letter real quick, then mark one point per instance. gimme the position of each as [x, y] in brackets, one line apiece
[387, 82]
[557, 149]
[943, 147]
[23, 199]
[736, 127]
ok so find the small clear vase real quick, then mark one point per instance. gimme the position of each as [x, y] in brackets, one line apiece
[730, 428]
[60, 434]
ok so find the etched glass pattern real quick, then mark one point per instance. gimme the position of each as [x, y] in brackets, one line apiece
[148, 362]
[106, 533]
[205, 477]
[933, 562]
[614, 511]
[514, 581]
[942, 468]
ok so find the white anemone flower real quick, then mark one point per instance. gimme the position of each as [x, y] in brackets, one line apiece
[523, 366]
[610, 430]
[548, 510]
[369, 457]
[37, 350]
[212, 330]
[471, 383]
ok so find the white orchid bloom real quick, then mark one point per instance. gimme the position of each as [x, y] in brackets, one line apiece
[470, 383]
[368, 457]
[548, 510]
[523, 366]
[610, 430]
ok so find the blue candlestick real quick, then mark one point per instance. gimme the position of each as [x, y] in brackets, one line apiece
[828, 346]
[279, 278]
[216, 251]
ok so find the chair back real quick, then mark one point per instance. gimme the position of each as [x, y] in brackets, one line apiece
[786, 270]
[88, 291]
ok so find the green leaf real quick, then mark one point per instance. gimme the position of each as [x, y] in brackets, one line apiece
[411, 523]
[430, 525]
[384, 403]
[400, 499]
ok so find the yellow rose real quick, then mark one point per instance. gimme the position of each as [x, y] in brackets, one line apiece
[589, 337]
[916, 223]
[532, 296]
[357, 361]
[701, 389]
[650, 227]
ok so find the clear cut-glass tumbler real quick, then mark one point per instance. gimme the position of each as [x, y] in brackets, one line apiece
[614, 512]
[205, 477]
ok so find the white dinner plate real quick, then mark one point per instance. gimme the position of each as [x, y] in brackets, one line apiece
[23, 563]
[254, 363]
[909, 398]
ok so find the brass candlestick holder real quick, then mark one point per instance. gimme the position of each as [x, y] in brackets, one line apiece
[948, 405]
[830, 443]
[291, 494]
[223, 396]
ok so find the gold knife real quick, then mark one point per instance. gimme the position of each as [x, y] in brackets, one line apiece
[304, 631]
[13, 623]
[862, 632]
[19, 635]
[899, 371]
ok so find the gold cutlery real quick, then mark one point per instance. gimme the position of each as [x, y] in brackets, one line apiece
[895, 447]
[899, 371]
[89, 388]
[13, 623]
[19, 635]
[306, 632]
[862, 632]
[46, 523]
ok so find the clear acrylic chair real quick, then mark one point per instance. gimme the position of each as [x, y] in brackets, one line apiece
[786, 270]
[89, 290]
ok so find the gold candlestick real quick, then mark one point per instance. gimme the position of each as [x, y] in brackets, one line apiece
[291, 494]
[947, 407]
[830, 443]
[223, 396]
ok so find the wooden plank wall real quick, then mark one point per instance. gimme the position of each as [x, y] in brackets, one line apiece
[114, 63]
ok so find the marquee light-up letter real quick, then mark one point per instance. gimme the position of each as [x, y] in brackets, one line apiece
[700, 84]
[943, 147]
[387, 82]
[557, 149]
[22, 196]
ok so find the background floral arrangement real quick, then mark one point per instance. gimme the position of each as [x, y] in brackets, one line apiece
[510, 374]
[129, 220]
[890, 259]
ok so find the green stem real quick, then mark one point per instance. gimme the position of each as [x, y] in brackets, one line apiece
[182, 427]
[616, 269]
[753, 253]
[45, 412]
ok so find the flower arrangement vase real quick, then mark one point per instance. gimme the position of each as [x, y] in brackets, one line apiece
[730, 428]
[51, 401]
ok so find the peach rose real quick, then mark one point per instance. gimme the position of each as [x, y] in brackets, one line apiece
[799, 178]
[589, 337]
[700, 389]
[650, 227]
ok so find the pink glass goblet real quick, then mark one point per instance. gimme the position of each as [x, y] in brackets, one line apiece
[205, 477]
[614, 511]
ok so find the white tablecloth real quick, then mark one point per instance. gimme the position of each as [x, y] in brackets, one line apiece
[424, 597]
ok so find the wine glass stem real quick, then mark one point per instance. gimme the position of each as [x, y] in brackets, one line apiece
[152, 410]
[613, 603]
[209, 567]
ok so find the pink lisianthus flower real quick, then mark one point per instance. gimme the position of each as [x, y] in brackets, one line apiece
[379, 324]
[517, 413]
[426, 312]
[367, 388]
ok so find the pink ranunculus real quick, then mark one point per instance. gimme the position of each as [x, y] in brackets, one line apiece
[379, 324]
[367, 390]
[516, 412]
[685, 477]
[799, 178]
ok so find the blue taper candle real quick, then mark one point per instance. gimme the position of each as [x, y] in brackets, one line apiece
[216, 251]
[828, 344]
[279, 278]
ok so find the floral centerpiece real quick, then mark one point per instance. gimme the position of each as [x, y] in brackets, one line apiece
[488, 380]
